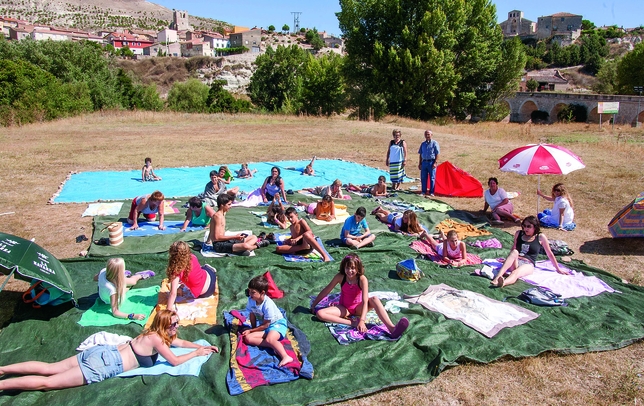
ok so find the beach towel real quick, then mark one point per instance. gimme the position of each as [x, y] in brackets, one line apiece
[147, 228]
[254, 198]
[191, 311]
[340, 217]
[463, 230]
[430, 253]
[433, 205]
[102, 209]
[138, 301]
[208, 252]
[485, 315]
[168, 207]
[312, 256]
[252, 366]
[103, 338]
[489, 243]
[192, 367]
[344, 334]
[345, 196]
[574, 285]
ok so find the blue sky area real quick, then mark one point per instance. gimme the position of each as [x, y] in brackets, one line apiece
[321, 13]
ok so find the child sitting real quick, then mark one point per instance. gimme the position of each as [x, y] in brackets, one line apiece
[302, 238]
[272, 327]
[275, 214]
[215, 187]
[354, 299]
[112, 286]
[244, 172]
[377, 190]
[147, 173]
[355, 231]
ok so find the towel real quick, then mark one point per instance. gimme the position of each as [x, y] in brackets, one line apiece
[209, 253]
[341, 215]
[485, 315]
[147, 228]
[103, 209]
[313, 256]
[252, 366]
[430, 253]
[136, 301]
[191, 311]
[168, 207]
[162, 366]
[103, 338]
[463, 230]
[489, 243]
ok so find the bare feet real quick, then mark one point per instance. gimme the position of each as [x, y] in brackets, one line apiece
[441, 235]
[326, 258]
[285, 360]
[499, 282]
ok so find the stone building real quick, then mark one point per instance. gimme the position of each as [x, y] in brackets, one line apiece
[566, 26]
[180, 20]
[251, 39]
[516, 25]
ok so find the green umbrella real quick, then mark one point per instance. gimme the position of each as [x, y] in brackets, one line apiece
[31, 261]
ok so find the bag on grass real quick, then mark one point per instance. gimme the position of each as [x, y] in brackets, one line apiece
[541, 296]
[42, 293]
[558, 247]
[408, 270]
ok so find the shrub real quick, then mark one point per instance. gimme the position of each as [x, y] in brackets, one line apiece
[574, 112]
[189, 97]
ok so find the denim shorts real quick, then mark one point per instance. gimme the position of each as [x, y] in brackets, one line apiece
[279, 326]
[524, 261]
[100, 362]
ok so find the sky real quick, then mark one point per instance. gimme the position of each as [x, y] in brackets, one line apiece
[321, 13]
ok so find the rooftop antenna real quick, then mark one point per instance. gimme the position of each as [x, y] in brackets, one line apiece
[296, 20]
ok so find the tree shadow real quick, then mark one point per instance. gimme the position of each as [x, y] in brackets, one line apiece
[613, 246]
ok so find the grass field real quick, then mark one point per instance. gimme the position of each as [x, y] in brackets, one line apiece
[36, 159]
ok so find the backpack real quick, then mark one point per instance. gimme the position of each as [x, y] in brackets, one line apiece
[408, 270]
[42, 293]
[558, 247]
[541, 296]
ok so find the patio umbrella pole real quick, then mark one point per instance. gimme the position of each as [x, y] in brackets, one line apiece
[538, 196]
[7, 280]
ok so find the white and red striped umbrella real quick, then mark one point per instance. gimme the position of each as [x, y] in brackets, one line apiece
[540, 159]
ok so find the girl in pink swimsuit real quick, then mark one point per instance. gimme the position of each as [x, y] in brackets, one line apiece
[354, 299]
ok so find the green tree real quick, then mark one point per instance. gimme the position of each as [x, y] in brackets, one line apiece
[607, 82]
[271, 28]
[531, 85]
[189, 96]
[126, 52]
[629, 70]
[221, 101]
[276, 84]
[593, 51]
[587, 25]
[286, 28]
[148, 98]
[313, 38]
[419, 59]
[323, 89]
[505, 80]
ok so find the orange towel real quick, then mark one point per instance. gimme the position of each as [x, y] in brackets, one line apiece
[191, 311]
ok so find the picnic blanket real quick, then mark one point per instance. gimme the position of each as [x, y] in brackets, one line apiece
[191, 311]
[345, 334]
[102, 209]
[192, 367]
[434, 205]
[312, 256]
[252, 366]
[208, 252]
[139, 301]
[430, 253]
[485, 315]
[574, 285]
[148, 228]
[463, 230]
[169, 207]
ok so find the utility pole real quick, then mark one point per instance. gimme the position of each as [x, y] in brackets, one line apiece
[638, 89]
[296, 21]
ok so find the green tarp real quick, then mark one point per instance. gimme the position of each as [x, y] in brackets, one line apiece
[604, 322]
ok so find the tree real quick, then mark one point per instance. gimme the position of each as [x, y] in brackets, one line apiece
[629, 70]
[126, 52]
[505, 80]
[221, 101]
[587, 25]
[189, 97]
[593, 51]
[531, 85]
[286, 28]
[323, 89]
[419, 59]
[607, 82]
[271, 28]
[276, 84]
[313, 38]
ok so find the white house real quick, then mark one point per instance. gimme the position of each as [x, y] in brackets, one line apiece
[167, 36]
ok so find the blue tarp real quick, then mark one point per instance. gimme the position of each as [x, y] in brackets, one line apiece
[88, 187]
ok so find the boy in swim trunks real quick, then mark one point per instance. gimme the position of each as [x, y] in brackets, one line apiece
[302, 238]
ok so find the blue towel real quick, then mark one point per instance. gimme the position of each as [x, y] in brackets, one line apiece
[190, 367]
[152, 228]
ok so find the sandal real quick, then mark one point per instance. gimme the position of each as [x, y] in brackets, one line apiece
[400, 328]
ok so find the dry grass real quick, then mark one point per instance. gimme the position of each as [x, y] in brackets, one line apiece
[37, 158]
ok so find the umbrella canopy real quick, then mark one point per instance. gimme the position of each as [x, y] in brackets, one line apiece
[540, 159]
[629, 222]
[31, 261]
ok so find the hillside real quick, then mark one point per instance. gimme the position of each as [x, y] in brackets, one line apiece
[95, 15]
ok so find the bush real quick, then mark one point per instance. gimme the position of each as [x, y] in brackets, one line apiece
[577, 113]
[189, 97]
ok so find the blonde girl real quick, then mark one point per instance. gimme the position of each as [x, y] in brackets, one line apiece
[112, 285]
[354, 299]
[562, 215]
[451, 248]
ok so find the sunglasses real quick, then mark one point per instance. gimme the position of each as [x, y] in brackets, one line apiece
[174, 325]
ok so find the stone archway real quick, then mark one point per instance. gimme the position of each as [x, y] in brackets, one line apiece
[526, 110]
[554, 113]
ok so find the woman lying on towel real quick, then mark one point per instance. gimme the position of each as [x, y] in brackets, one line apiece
[450, 249]
[527, 243]
[405, 223]
[98, 363]
[184, 267]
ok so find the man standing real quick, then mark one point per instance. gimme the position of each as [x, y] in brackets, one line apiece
[427, 160]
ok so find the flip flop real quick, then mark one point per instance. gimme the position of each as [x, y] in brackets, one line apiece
[147, 274]
[400, 328]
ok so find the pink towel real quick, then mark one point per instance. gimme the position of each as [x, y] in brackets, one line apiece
[426, 249]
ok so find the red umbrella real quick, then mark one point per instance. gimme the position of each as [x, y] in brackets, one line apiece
[538, 159]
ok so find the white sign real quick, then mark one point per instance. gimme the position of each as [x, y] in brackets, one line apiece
[607, 107]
